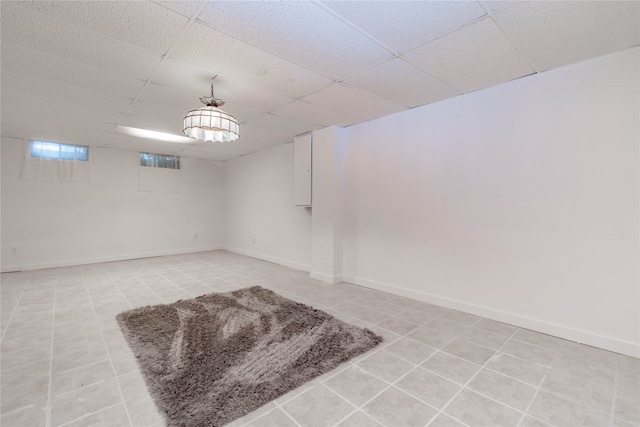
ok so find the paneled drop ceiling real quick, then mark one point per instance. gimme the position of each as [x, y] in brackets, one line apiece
[72, 71]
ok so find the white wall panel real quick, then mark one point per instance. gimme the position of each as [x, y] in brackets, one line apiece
[518, 202]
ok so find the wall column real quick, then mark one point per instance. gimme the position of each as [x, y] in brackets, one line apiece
[328, 205]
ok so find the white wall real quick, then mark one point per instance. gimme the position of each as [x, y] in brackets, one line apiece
[55, 224]
[328, 204]
[261, 218]
[518, 202]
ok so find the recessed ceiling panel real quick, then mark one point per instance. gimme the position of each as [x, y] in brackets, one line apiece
[132, 143]
[40, 91]
[185, 8]
[156, 117]
[197, 81]
[350, 101]
[407, 24]
[31, 62]
[140, 23]
[299, 31]
[552, 34]
[211, 50]
[412, 87]
[45, 34]
[282, 124]
[494, 6]
[56, 121]
[311, 113]
[474, 57]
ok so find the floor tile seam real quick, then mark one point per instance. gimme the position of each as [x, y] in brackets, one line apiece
[566, 397]
[113, 369]
[464, 386]
[482, 367]
[276, 406]
[81, 367]
[54, 396]
[346, 417]
[528, 408]
[23, 364]
[25, 407]
[66, 393]
[577, 402]
[409, 361]
[13, 311]
[538, 387]
[50, 385]
[5, 389]
[587, 379]
[612, 412]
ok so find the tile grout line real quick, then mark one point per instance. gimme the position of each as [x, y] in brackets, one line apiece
[616, 380]
[525, 413]
[464, 386]
[104, 342]
[91, 413]
[13, 310]
[48, 421]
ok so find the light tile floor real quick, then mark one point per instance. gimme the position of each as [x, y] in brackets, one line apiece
[65, 362]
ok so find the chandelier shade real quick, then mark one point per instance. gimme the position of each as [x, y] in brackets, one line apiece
[210, 123]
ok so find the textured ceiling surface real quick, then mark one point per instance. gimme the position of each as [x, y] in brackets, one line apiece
[73, 71]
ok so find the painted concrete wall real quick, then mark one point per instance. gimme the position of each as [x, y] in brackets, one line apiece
[518, 202]
[55, 224]
[261, 219]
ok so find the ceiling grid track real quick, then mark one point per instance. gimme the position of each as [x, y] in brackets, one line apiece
[162, 61]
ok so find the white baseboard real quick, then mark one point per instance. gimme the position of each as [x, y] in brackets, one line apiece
[326, 277]
[561, 331]
[85, 261]
[275, 260]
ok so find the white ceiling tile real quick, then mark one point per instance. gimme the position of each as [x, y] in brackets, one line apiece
[56, 121]
[347, 100]
[552, 34]
[211, 50]
[197, 81]
[170, 97]
[407, 24]
[45, 34]
[215, 153]
[255, 138]
[403, 83]
[56, 109]
[311, 113]
[27, 61]
[156, 117]
[39, 90]
[185, 8]
[132, 143]
[499, 4]
[298, 31]
[474, 57]
[140, 23]
[282, 124]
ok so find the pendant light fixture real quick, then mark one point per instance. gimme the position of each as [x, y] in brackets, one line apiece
[210, 123]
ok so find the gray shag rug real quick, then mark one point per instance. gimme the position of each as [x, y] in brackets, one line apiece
[210, 360]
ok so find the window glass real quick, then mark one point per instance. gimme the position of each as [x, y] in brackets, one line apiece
[57, 150]
[154, 160]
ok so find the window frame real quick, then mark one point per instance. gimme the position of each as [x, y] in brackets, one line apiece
[80, 152]
[159, 160]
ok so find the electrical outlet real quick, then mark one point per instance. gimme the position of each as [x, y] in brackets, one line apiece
[14, 250]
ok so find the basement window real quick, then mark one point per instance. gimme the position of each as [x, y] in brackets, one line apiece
[59, 151]
[164, 161]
